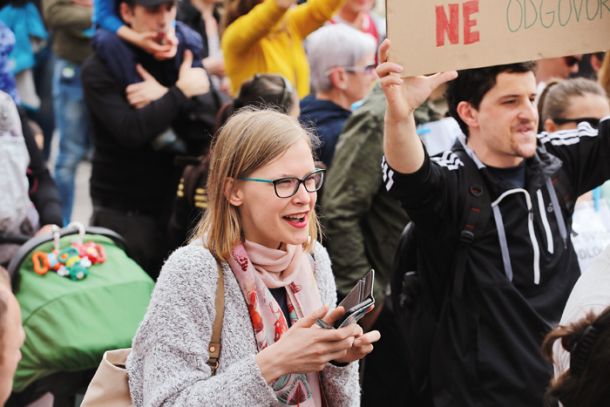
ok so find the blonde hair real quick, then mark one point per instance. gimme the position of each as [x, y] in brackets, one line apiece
[249, 140]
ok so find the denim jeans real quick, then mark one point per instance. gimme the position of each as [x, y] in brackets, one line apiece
[73, 124]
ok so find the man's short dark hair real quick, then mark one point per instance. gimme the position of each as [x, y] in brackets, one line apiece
[472, 85]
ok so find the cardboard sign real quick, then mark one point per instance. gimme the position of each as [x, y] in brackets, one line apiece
[430, 36]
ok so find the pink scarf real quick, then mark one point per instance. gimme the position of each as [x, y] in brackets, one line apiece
[258, 268]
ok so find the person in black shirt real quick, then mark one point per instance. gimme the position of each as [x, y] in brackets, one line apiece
[140, 128]
[520, 266]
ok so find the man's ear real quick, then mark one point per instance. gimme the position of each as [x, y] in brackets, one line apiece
[126, 13]
[549, 125]
[338, 78]
[468, 114]
[233, 193]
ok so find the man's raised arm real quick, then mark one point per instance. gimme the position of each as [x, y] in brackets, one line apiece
[402, 148]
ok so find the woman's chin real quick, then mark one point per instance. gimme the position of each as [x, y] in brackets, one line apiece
[296, 239]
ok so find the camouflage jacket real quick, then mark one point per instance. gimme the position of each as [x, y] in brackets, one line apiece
[362, 221]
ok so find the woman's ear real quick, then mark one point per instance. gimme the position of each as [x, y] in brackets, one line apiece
[232, 192]
[468, 114]
[549, 125]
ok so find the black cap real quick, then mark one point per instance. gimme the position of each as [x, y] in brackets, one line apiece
[151, 3]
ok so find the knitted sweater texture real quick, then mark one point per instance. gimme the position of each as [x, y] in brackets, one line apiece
[167, 365]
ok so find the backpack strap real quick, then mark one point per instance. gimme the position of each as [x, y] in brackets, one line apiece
[194, 177]
[561, 192]
[477, 211]
[214, 347]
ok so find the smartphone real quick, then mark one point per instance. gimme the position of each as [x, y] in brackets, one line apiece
[358, 301]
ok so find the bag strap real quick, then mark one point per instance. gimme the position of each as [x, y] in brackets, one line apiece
[214, 347]
[477, 212]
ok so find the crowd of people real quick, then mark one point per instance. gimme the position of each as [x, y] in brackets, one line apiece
[270, 153]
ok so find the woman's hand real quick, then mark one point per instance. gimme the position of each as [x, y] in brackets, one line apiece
[362, 346]
[306, 348]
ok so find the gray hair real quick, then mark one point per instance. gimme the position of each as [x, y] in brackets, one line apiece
[335, 45]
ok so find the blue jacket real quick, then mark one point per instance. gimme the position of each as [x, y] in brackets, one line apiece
[326, 119]
[7, 79]
[120, 57]
[25, 22]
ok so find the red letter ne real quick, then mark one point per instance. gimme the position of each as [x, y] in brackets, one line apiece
[468, 9]
[450, 26]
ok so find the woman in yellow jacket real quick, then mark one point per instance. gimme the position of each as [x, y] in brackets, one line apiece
[266, 36]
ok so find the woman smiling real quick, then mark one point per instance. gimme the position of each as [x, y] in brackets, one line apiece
[261, 228]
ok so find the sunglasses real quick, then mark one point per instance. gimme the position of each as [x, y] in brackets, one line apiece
[591, 120]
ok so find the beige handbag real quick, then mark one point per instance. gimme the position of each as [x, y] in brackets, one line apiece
[110, 384]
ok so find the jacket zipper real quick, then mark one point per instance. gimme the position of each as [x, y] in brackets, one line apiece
[545, 222]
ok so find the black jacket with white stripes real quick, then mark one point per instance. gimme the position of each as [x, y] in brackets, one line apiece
[519, 271]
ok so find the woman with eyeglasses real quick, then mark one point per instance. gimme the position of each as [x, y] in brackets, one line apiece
[266, 91]
[342, 61]
[261, 229]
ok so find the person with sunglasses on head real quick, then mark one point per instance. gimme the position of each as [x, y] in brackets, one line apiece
[260, 234]
[566, 105]
[342, 61]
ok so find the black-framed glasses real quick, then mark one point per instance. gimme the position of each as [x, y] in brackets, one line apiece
[594, 122]
[288, 186]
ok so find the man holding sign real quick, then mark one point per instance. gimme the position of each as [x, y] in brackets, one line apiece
[507, 194]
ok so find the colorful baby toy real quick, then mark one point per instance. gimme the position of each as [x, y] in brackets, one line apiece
[73, 261]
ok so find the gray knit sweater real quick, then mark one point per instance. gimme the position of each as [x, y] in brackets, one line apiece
[167, 365]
